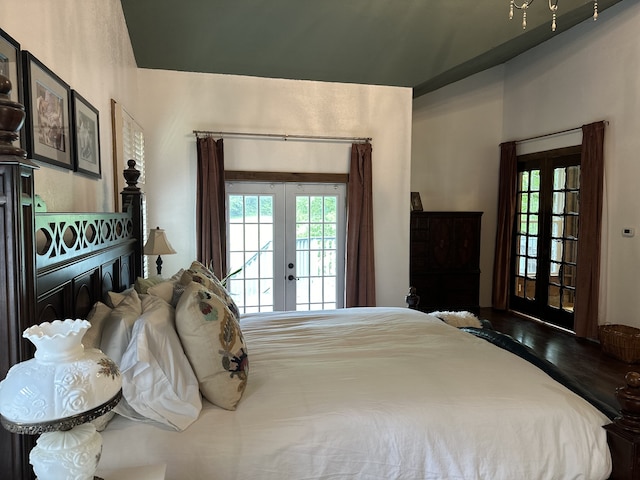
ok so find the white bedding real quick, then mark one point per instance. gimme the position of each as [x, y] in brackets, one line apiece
[376, 393]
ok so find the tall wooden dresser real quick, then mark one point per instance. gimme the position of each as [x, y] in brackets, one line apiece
[445, 260]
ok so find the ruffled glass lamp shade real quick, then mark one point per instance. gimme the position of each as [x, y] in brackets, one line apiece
[56, 394]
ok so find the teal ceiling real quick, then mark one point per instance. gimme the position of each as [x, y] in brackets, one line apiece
[423, 44]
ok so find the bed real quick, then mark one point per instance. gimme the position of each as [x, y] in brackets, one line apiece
[368, 393]
[377, 393]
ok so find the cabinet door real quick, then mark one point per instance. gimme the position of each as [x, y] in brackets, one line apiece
[453, 242]
[441, 243]
[466, 254]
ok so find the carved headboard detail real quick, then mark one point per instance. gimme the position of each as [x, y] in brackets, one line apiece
[52, 266]
[80, 257]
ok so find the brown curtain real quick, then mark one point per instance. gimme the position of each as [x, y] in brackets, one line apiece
[507, 190]
[210, 206]
[360, 269]
[588, 258]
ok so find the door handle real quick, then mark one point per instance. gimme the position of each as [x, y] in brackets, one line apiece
[292, 277]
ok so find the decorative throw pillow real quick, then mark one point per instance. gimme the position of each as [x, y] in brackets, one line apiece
[142, 284]
[197, 272]
[214, 344]
[116, 333]
[97, 317]
[158, 382]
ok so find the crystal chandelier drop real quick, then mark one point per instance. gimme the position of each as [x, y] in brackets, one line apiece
[553, 7]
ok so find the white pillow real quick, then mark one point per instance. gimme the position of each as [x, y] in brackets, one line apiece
[163, 290]
[158, 382]
[116, 333]
[91, 339]
[142, 284]
[97, 317]
[113, 299]
[213, 341]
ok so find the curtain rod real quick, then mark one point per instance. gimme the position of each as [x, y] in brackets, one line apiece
[285, 137]
[568, 130]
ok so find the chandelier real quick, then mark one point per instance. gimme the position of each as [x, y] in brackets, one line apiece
[553, 7]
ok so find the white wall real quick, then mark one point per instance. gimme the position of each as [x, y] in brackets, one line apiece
[591, 73]
[176, 103]
[587, 74]
[87, 45]
[455, 156]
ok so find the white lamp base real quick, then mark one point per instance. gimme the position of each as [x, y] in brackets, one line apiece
[67, 455]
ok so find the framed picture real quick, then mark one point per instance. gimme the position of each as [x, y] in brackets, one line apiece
[416, 203]
[10, 63]
[10, 67]
[86, 136]
[47, 101]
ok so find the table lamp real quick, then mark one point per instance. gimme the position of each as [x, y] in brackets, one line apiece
[56, 394]
[157, 244]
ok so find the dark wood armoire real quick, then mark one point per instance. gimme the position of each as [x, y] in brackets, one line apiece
[445, 260]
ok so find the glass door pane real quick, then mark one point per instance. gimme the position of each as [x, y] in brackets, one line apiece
[315, 215]
[527, 235]
[564, 235]
[252, 246]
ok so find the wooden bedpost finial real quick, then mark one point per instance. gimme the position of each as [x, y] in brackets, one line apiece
[131, 176]
[12, 115]
[629, 399]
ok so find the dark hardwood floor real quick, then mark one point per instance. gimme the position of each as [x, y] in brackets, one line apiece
[582, 359]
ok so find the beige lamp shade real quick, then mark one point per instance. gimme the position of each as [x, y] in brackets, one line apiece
[157, 244]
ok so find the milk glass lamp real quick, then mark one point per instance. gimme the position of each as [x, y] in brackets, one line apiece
[56, 394]
[157, 244]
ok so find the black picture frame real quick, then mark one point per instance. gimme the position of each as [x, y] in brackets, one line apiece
[11, 67]
[85, 128]
[47, 100]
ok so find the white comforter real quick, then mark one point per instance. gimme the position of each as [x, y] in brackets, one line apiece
[377, 393]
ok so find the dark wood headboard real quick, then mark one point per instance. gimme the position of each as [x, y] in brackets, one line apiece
[53, 266]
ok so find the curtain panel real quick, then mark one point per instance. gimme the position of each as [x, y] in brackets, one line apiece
[507, 190]
[590, 231]
[360, 268]
[210, 206]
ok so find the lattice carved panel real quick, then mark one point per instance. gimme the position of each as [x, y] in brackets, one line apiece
[60, 237]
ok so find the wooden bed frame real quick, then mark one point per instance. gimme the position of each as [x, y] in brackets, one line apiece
[52, 266]
[56, 266]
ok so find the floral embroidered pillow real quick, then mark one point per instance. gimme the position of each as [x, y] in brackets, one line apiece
[197, 272]
[212, 339]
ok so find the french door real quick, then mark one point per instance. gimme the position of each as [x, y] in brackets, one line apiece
[546, 235]
[286, 242]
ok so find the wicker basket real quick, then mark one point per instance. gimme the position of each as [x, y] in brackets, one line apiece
[621, 342]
